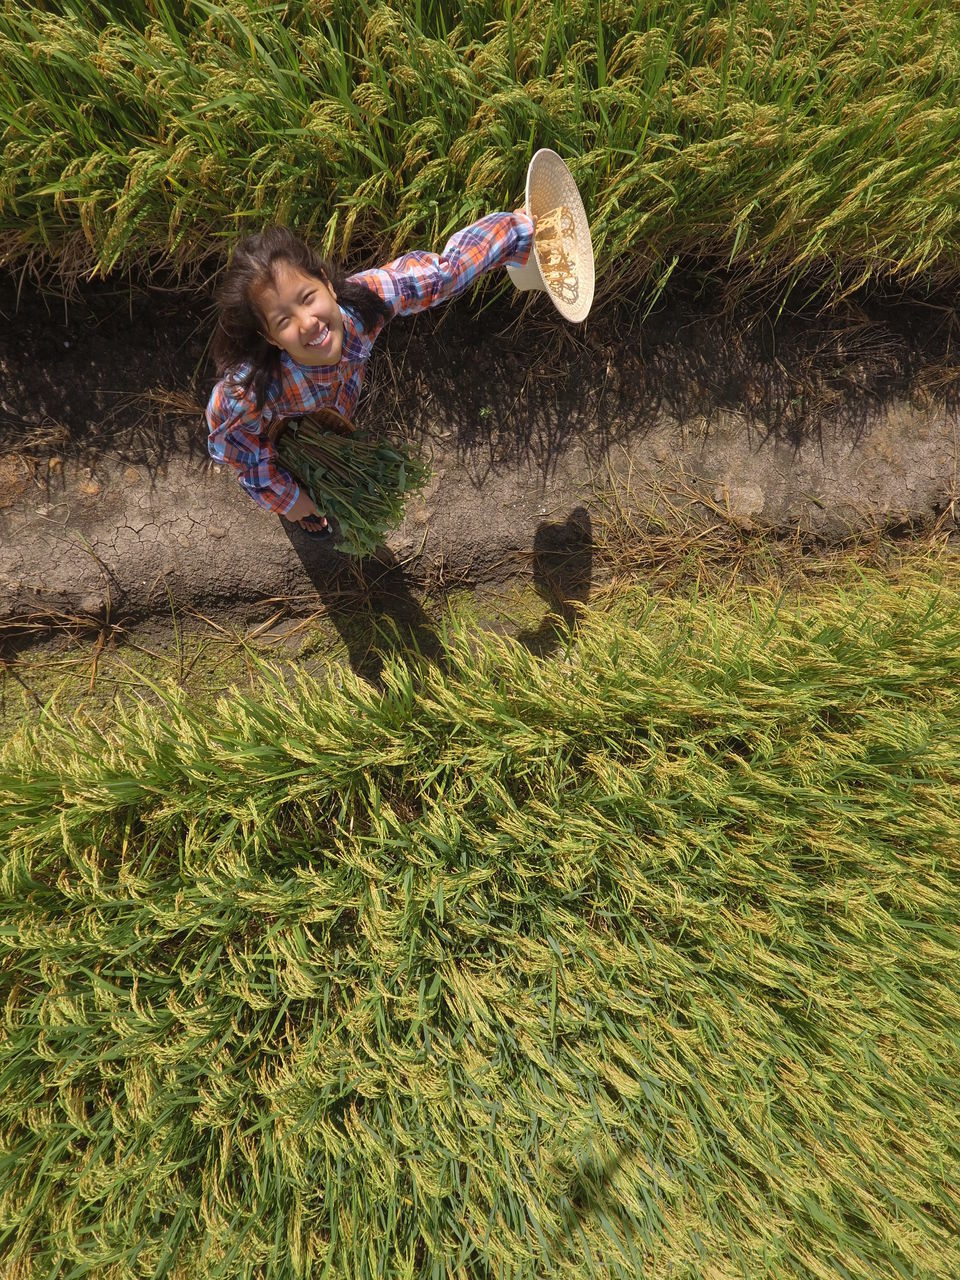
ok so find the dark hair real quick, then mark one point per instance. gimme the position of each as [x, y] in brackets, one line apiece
[238, 338]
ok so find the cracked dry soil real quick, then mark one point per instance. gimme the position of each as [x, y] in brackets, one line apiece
[820, 423]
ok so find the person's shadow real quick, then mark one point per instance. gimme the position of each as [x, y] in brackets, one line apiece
[369, 603]
[562, 575]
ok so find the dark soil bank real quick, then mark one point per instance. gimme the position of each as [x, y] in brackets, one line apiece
[820, 423]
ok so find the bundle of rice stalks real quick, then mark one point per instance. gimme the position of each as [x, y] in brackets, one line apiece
[360, 482]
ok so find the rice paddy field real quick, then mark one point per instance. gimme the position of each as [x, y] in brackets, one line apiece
[635, 961]
[637, 958]
[770, 138]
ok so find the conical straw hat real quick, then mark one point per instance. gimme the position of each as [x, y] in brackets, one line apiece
[561, 263]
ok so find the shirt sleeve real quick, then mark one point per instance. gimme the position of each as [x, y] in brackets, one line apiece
[234, 425]
[421, 280]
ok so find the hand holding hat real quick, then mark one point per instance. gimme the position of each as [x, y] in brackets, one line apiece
[561, 261]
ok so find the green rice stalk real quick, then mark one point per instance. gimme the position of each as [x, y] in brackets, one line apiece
[361, 482]
[768, 139]
[636, 962]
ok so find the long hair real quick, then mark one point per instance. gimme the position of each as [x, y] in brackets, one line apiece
[238, 339]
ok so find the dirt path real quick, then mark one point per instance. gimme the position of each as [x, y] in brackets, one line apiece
[109, 502]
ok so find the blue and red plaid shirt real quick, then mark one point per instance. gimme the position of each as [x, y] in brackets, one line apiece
[414, 282]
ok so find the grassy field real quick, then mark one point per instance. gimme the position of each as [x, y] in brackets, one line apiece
[774, 139]
[636, 961]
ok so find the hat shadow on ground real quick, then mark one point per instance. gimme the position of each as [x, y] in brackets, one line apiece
[562, 576]
[369, 603]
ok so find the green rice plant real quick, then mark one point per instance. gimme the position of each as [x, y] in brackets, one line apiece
[766, 139]
[362, 482]
[636, 961]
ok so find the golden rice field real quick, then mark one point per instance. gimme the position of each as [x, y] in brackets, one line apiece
[638, 961]
[770, 139]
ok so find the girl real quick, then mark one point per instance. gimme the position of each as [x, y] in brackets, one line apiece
[294, 335]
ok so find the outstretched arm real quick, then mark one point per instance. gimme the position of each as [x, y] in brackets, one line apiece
[420, 280]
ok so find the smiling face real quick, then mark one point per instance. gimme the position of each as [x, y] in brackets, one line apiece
[301, 316]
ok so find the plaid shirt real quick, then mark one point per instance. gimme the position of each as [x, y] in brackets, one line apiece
[238, 430]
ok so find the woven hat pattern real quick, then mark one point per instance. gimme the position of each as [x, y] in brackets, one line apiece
[550, 186]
